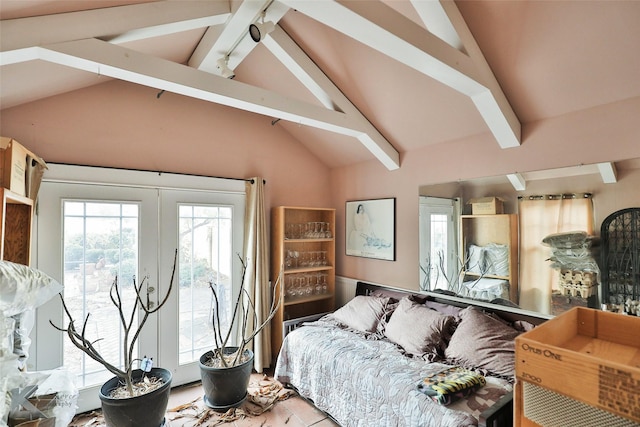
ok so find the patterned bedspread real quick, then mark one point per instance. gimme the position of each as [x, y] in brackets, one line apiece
[364, 382]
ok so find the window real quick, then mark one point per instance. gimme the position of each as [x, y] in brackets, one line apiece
[90, 229]
[100, 243]
[205, 236]
[438, 253]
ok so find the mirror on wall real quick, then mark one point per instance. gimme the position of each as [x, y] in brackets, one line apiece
[495, 238]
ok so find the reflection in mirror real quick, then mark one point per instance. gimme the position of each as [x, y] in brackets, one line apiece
[501, 257]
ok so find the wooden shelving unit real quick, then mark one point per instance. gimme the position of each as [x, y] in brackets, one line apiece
[480, 230]
[16, 219]
[290, 244]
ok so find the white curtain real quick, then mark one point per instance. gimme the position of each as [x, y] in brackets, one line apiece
[538, 219]
[256, 255]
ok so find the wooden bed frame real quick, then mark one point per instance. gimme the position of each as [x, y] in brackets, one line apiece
[501, 413]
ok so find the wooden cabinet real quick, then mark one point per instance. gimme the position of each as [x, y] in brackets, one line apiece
[482, 230]
[16, 219]
[303, 246]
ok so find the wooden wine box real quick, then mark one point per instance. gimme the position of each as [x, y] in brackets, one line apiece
[584, 363]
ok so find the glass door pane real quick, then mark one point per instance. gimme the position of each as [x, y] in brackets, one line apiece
[100, 243]
[205, 234]
[86, 236]
[207, 229]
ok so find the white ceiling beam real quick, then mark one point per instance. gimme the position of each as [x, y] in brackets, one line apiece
[218, 43]
[300, 65]
[106, 59]
[385, 30]
[166, 29]
[19, 55]
[435, 19]
[608, 172]
[107, 22]
[493, 105]
[311, 76]
[517, 180]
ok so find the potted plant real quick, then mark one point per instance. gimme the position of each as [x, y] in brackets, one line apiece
[134, 397]
[225, 370]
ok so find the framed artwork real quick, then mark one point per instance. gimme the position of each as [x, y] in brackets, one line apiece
[371, 228]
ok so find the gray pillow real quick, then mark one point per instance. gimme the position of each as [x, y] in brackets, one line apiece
[497, 259]
[419, 330]
[363, 312]
[476, 261]
[482, 341]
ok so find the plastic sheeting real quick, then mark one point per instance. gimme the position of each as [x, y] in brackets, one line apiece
[28, 395]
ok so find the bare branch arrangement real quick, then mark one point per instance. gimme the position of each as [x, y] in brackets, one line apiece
[454, 282]
[245, 315]
[131, 328]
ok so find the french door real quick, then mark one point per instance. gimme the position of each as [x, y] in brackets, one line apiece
[438, 249]
[90, 233]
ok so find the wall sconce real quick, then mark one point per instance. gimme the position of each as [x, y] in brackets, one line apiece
[258, 31]
[223, 66]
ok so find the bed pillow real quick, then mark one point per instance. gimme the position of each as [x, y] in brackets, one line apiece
[496, 259]
[475, 262]
[482, 341]
[363, 312]
[419, 330]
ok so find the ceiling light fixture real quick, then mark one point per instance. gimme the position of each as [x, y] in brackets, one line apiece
[258, 31]
[223, 66]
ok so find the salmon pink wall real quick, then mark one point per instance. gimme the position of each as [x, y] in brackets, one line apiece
[606, 133]
[120, 124]
[124, 125]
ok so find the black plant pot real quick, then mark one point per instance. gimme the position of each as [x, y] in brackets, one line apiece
[147, 410]
[225, 388]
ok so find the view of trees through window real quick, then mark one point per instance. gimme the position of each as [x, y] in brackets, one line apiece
[101, 242]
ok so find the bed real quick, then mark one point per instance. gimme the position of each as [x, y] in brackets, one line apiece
[365, 373]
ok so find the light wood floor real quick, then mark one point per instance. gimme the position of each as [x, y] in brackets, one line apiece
[292, 412]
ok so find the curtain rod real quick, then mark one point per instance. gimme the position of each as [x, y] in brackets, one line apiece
[557, 196]
[251, 180]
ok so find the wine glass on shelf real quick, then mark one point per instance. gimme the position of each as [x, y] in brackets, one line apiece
[327, 230]
[318, 288]
[290, 290]
[295, 255]
[308, 289]
[325, 285]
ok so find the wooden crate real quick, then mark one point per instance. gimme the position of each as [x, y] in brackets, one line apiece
[585, 354]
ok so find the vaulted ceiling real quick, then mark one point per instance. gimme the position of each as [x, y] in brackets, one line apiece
[352, 80]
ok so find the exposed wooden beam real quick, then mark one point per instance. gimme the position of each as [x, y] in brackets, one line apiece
[218, 43]
[608, 172]
[233, 42]
[435, 19]
[518, 181]
[106, 59]
[312, 77]
[109, 22]
[492, 103]
[385, 30]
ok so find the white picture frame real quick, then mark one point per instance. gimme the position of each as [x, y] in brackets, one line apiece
[370, 228]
